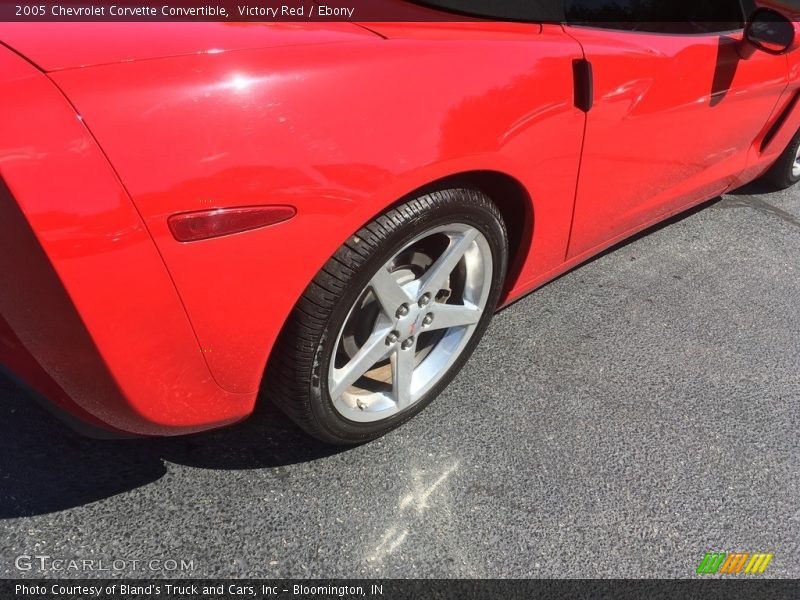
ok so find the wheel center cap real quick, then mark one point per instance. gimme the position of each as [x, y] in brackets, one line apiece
[410, 323]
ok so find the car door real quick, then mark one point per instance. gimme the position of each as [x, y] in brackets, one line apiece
[676, 109]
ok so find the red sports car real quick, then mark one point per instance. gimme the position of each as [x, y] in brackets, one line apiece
[329, 213]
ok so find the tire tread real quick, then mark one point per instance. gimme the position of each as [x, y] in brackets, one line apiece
[291, 363]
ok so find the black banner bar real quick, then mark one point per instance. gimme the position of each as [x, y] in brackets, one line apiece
[573, 11]
[743, 588]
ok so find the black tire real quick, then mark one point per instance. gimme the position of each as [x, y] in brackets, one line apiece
[296, 379]
[780, 174]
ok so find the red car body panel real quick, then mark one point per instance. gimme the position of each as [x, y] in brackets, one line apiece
[340, 122]
[673, 119]
[107, 323]
[56, 46]
[329, 154]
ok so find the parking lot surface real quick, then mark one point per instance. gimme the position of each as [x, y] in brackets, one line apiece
[621, 421]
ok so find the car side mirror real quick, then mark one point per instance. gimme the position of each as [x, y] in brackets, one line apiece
[772, 32]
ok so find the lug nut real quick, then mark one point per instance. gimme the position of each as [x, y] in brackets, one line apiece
[407, 343]
[423, 301]
[402, 311]
[427, 320]
[392, 338]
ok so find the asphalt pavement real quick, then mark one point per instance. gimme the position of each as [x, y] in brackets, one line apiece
[621, 421]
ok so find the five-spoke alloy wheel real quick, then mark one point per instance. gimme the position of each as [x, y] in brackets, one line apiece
[391, 317]
[412, 323]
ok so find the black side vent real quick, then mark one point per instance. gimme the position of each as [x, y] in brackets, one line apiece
[583, 84]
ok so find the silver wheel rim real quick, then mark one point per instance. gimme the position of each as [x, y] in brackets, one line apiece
[410, 323]
[796, 164]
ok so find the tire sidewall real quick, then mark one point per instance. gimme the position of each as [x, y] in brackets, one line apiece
[485, 219]
[790, 178]
[780, 174]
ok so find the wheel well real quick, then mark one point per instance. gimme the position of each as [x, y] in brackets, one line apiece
[515, 206]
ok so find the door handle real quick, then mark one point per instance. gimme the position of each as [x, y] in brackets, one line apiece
[583, 83]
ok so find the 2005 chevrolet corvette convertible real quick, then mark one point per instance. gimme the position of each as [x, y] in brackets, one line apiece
[328, 214]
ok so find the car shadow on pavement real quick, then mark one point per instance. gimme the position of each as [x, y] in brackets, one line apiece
[630, 240]
[46, 467]
[756, 188]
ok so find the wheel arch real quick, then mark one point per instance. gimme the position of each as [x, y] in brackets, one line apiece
[512, 200]
[507, 193]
